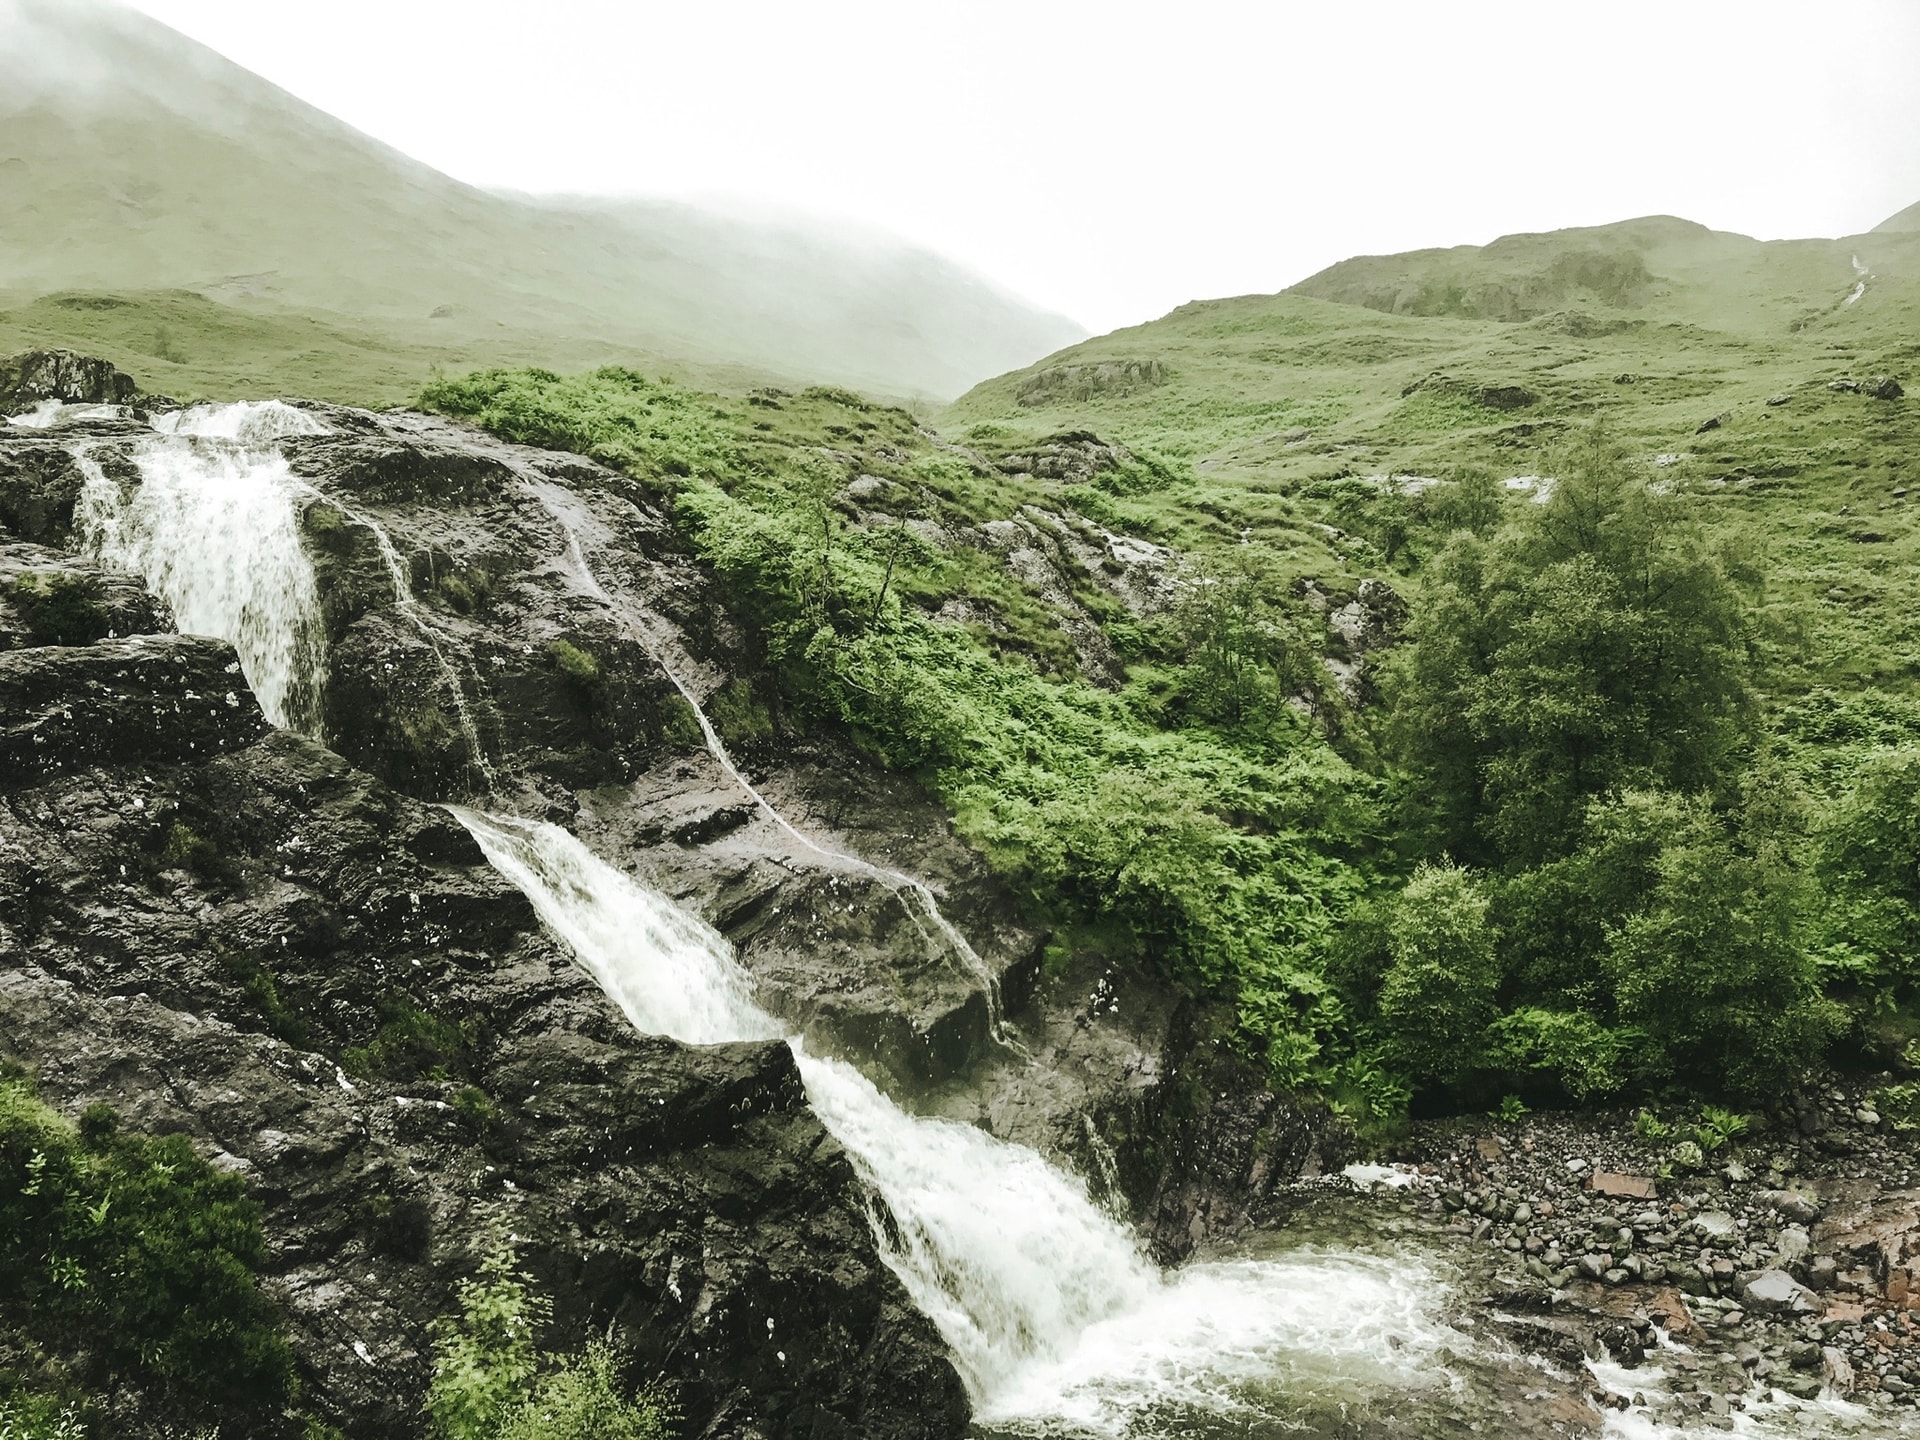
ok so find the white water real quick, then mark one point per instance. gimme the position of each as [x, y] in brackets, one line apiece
[49, 414]
[1860, 285]
[1057, 1323]
[213, 528]
[915, 896]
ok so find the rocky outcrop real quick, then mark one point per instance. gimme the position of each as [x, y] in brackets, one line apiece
[1099, 380]
[26, 380]
[228, 931]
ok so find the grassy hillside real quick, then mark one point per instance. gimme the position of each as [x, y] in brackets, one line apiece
[133, 161]
[1280, 411]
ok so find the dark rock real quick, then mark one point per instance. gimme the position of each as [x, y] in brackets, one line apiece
[1714, 423]
[37, 375]
[47, 598]
[1506, 397]
[1884, 387]
[1074, 457]
[206, 921]
[1776, 401]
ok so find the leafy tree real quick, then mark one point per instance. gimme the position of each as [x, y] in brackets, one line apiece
[1595, 646]
[1870, 869]
[1712, 974]
[1438, 996]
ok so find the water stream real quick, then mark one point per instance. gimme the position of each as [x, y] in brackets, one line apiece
[916, 897]
[213, 527]
[1056, 1321]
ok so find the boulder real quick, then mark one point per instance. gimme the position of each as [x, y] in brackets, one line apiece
[1884, 387]
[1778, 1292]
[37, 375]
[1802, 1209]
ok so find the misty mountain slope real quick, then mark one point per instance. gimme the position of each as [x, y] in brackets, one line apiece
[133, 159]
[1907, 219]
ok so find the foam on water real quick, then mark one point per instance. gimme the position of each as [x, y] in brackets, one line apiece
[1056, 1321]
[250, 422]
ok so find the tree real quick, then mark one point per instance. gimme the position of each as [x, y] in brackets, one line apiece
[1438, 996]
[1596, 645]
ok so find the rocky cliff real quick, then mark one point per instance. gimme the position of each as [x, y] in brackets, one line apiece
[277, 944]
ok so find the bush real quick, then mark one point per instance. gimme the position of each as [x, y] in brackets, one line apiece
[581, 670]
[1438, 997]
[136, 1253]
[412, 1043]
[492, 1382]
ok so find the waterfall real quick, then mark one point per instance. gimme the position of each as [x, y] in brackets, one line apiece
[214, 529]
[915, 895]
[1053, 1316]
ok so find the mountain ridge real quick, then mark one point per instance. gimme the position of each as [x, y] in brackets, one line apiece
[159, 166]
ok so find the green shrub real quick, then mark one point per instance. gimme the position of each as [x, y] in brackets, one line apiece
[491, 1381]
[1438, 997]
[412, 1043]
[579, 668]
[137, 1254]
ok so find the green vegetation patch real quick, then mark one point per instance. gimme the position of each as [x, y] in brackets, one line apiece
[135, 1261]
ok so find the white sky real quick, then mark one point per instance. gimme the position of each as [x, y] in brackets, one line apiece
[1112, 159]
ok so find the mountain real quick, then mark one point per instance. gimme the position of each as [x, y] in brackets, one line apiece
[1907, 220]
[140, 167]
[1736, 370]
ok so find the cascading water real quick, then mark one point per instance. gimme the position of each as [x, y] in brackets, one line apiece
[1056, 1321]
[915, 896]
[213, 527]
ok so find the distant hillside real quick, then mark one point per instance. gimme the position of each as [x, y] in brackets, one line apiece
[134, 161]
[1907, 219]
[1709, 354]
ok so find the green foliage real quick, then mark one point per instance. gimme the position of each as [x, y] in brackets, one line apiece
[414, 1043]
[40, 1417]
[137, 1254]
[580, 669]
[186, 849]
[492, 1382]
[1205, 833]
[60, 607]
[1597, 646]
[738, 715]
[582, 1399]
[1438, 995]
[1511, 1110]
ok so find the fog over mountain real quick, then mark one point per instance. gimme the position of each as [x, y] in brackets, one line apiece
[132, 158]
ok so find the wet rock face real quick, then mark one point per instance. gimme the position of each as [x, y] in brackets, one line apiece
[228, 931]
[26, 380]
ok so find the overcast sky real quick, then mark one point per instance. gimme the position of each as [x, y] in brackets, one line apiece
[1112, 160]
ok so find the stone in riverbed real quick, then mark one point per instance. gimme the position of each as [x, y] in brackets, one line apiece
[1780, 1293]
[1792, 1204]
[1622, 1186]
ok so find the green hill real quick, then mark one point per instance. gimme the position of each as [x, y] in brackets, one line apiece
[142, 169]
[1482, 360]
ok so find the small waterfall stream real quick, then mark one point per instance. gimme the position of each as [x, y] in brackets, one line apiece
[1056, 1321]
[214, 528]
[914, 894]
